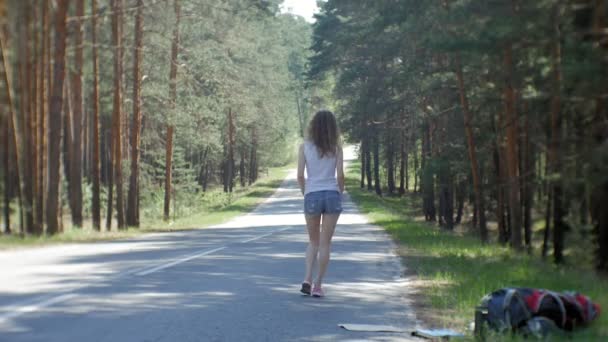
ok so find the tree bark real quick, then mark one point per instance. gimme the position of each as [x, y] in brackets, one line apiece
[390, 163]
[26, 123]
[253, 163]
[242, 167]
[427, 183]
[117, 7]
[172, 99]
[368, 159]
[133, 196]
[77, 113]
[42, 115]
[230, 158]
[96, 165]
[402, 165]
[376, 143]
[110, 152]
[528, 184]
[512, 152]
[416, 169]
[468, 117]
[460, 196]
[67, 137]
[6, 145]
[362, 156]
[13, 128]
[36, 228]
[56, 103]
[362, 153]
[559, 226]
[547, 230]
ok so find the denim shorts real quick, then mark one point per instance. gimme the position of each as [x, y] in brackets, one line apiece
[323, 202]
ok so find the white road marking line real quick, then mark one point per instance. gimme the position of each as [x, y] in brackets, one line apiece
[177, 262]
[265, 235]
[18, 311]
[257, 238]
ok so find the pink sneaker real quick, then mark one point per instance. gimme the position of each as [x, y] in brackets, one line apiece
[317, 291]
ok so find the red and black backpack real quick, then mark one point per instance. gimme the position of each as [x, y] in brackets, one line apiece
[534, 311]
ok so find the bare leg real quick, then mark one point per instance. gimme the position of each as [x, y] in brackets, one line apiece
[327, 232]
[313, 225]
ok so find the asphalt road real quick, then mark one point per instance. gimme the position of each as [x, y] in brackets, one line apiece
[237, 281]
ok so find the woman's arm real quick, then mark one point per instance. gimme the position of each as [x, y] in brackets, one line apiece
[340, 169]
[301, 164]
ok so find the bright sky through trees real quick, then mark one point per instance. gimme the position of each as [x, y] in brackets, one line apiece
[304, 8]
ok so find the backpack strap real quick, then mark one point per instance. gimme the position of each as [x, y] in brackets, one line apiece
[506, 305]
[558, 300]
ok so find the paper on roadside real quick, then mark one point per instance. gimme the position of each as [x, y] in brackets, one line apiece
[372, 328]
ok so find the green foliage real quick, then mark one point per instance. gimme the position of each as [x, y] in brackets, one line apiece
[394, 65]
[456, 271]
[237, 56]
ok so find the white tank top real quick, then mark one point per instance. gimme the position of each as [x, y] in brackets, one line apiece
[320, 172]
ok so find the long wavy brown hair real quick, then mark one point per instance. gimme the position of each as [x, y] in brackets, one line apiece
[323, 132]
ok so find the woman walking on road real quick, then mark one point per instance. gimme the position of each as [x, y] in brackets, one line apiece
[321, 156]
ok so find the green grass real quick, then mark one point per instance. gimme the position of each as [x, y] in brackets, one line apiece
[70, 235]
[215, 206]
[203, 210]
[454, 272]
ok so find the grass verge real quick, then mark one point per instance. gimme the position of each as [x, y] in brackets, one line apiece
[215, 206]
[210, 208]
[454, 272]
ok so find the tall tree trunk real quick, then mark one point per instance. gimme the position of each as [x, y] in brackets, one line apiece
[41, 124]
[528, 184]
[512, 152]
[6, 145]
[368, 159]
[376, 153]
[460, 196]
[416, 168]
[110, 152]
[242, 167]
[499, 168]
[402, 165]
[559, 226]
[253, 164]
[390, 163]
[133, 197]
[117, 7]
[96, 165]
[230, 160]
[12, 123]
[56, 104]
[547, 230]
[172, 99]
[600, 219]
[468, 117]
[599, 189]
[67, 137]
[36, 120]
[77, 113]
[26, 124]
[427, 183]
[46, 103]
[362, 156]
